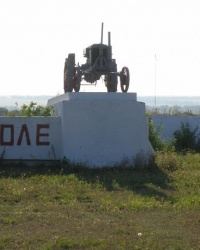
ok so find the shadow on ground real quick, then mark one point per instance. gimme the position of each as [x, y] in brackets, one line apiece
[151, 181]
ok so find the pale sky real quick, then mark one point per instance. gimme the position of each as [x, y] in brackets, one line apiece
[37, 35]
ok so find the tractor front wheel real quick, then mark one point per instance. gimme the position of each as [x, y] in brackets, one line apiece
[124, 79]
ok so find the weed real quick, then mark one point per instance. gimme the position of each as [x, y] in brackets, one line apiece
[168, 160]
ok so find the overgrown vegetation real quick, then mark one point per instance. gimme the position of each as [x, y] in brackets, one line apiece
[184, 139]
[32, 109]
[155, 135]
[72, 207]
[187, 139]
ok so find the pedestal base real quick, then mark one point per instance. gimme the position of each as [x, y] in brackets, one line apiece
[102, 129]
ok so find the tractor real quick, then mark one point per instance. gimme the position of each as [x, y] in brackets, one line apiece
[99, 63]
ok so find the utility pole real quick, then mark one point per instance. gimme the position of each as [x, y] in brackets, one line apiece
[155, 79]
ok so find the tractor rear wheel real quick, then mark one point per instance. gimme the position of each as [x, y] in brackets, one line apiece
[69, 72]
[124, 79]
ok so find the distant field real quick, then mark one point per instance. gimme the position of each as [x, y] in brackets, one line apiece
[73, 207]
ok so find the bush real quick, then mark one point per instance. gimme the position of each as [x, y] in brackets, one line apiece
[154, 136]
[169, 161]
[32, 110]
[186, 140]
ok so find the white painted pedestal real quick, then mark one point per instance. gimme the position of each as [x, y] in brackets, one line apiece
[102, 129]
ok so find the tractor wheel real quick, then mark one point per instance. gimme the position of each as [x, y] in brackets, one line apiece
[111, 83]
[76, 83]
[124, 79]
[69, 71]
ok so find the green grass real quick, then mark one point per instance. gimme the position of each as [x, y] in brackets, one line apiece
[73, 207]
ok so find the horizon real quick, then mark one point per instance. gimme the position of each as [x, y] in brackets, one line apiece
[159, 101]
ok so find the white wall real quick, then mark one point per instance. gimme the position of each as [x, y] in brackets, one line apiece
[170, 124]
[30, 138]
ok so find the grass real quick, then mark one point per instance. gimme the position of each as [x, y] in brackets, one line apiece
[73, 207]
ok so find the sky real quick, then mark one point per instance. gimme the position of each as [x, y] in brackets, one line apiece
[158, 40]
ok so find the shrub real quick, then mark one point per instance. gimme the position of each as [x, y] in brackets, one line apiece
[185, 139]
[32, 110]
[168, 160]
[154, 135]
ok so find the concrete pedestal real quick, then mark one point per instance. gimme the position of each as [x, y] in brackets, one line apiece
[102, 129]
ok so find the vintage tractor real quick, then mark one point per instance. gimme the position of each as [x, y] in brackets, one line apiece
[99, 63]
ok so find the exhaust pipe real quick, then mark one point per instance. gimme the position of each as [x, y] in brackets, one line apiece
[109, 39]
[101, 33]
